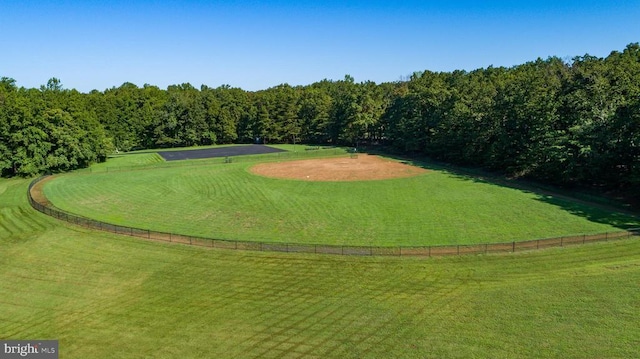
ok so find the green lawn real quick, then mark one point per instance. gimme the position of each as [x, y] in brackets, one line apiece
[105, 296]
[150, 159]
[225, 201]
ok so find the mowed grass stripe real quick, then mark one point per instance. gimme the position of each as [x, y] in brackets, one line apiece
[16, 220]
[226, 201]
[107, 296]
[104, 296]
[129, 161]
[12, 225]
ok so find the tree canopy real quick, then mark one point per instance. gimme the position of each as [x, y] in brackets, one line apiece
[566, 122]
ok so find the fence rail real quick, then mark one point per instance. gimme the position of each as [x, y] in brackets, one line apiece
[405, 251]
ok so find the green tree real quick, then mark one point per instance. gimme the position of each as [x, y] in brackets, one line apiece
[314, 106]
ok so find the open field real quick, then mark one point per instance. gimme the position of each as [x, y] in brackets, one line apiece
[106, 296]
[151, 159]
[228, 201]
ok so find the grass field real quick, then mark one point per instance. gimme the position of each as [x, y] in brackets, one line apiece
[226, 201]
[150, 159]
[105, 296]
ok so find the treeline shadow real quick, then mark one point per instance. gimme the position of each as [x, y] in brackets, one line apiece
[593, 208]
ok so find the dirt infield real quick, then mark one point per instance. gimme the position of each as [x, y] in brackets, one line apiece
[218, 152]
[361, 168]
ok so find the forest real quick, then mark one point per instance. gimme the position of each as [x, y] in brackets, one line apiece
[564, 122]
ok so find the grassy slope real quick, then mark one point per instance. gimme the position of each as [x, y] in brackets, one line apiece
[105, 296]
[226, 201]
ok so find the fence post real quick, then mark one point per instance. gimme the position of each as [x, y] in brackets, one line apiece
[170, 237]
[148, 234]
[513, 247]
[606, 236]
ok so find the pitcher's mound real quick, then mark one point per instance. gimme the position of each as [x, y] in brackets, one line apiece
[361, 168]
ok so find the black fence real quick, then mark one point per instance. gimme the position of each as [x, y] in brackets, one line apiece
[40, 204]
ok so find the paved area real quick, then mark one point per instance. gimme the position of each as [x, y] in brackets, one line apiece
[218, 152]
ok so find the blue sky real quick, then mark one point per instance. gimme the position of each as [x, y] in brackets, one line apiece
[259, 44]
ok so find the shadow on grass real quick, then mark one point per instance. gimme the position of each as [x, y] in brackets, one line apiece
[593, 212]
[593, 208]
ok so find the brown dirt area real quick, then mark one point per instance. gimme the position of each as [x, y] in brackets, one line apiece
[361, 168]
[37, 193]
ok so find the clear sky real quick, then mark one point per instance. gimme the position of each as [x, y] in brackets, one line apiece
[256, 44]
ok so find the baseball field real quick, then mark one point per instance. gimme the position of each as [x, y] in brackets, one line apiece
[103, 295]
[362, 200]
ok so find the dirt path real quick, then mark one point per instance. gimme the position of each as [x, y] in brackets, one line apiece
[37, 192]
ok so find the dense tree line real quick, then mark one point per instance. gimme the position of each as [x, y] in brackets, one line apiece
[49, 129]
[563, 122]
